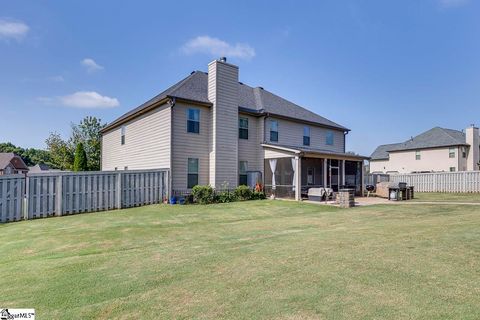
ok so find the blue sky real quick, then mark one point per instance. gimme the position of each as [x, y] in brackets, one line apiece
[386, 69]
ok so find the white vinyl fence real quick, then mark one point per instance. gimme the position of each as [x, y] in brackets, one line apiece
[42, 195]
[463, 181]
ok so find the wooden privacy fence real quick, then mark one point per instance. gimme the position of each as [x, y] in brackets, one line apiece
[42, 195]
[463, 181]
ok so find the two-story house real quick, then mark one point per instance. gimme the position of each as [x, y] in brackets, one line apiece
[209, 128]
[435, 150]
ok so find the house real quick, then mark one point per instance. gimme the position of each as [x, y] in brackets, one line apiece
[435, 150]
[41, 168]
[211, 129]
[10, 163]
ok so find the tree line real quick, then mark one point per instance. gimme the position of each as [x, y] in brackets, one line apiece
[80, 152]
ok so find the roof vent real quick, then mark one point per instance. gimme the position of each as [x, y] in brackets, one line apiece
[223, 59]
[261, 88]
[192, 72]
[473, 125]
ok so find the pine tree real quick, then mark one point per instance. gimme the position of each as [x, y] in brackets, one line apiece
[80, 162]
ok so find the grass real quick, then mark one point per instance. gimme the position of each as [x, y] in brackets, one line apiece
[447, 197]
[250, 260]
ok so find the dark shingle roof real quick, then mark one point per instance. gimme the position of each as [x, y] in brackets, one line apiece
[195, 88]
[9, 157]
[433, 138]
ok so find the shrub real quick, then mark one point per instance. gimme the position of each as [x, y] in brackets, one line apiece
[258, 195]
[203, 194]
[243, 193]
[225, 196]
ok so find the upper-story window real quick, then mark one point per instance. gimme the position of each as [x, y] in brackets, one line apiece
[329, 138]
[306, 136]
[122, 139]
[451, 152]
[243, 128]
[464, 152]
[417, 155]
[193, 120]
[273, 130]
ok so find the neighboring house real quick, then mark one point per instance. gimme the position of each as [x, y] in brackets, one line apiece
[435, 150]
[211, 129]
[10, 163]
[41, 168]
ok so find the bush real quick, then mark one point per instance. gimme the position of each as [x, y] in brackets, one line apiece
[243, 193]
[258, 195]
[225, 196]
[203, 194]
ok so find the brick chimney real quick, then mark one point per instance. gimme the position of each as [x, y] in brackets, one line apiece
[223, 93]
[472, 138]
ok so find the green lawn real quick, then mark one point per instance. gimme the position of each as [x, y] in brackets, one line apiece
[447, 197]
[250, 260]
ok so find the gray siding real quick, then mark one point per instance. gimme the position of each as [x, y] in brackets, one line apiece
[251, 150]
[189, 145]
[223, 93]
[290, 133]
[147, 142]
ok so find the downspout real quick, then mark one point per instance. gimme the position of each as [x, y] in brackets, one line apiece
[345, 141]
[169, 192]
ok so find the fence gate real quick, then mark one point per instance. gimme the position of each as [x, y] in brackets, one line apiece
[12, 189]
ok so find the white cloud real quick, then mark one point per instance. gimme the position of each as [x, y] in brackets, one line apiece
[82, 99]
[91, 65]
[452, 3]
[216, 47]
[11, 29]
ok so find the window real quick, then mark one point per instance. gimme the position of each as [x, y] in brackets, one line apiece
[452, 169]
[192, 172]
[243, 128]
[329, 138]
[122, 140]
[125, 168]
[193, 120]
[242, 173]
[273, 130]
[116, 168]
[306, 136]
[451, 152]
[464, 152]
[417, 155]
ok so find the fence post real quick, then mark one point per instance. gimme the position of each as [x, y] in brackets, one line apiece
[119, 191]
[59, 196]
[25, 197]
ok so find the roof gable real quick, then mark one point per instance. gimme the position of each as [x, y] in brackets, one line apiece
[433, 138]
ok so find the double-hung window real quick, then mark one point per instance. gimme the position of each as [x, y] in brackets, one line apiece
[306, 136]
[242, 172]
[243, 128]
[329, 138]
[193, 120]
[464, 152]
[192, 172]
[274, 130]
[417, 155]
[122, 139]
[451, 152]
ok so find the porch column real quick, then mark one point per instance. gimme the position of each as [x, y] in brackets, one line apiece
[343, 172]
[298, 178]
[325, 172]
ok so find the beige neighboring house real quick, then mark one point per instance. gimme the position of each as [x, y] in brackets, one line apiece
[10, 163]
[211, 129]
[435, 150]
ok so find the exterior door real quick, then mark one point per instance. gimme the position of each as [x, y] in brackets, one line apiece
[334, 178]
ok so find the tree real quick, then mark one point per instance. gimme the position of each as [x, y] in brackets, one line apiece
[80, 163]
[61, 153]
[87, 132]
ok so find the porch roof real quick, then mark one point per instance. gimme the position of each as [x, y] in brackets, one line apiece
[313, 152]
